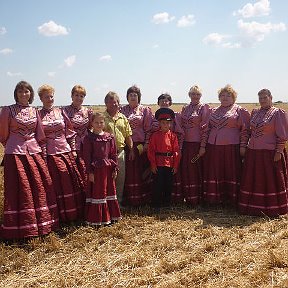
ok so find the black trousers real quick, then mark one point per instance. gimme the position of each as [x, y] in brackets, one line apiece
[162, 187]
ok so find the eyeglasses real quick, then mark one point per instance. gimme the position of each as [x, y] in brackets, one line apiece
[195, 94]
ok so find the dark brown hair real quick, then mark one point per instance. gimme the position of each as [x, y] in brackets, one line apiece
[134, 89]
[165, 96]
[24, 85]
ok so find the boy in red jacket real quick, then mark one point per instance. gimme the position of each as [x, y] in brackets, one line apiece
[163, 154]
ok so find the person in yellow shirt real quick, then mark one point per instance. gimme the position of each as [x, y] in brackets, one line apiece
[117, 124]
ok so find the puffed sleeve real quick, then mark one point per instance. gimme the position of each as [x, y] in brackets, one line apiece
[147, 123]
[40, 134]
[281, 129]
[90, 114]
[4, 122]
[206, 128]
[203, 125]
[87, 154]
[113, 153]
[70, 133]
[178, 129]
[244, 126]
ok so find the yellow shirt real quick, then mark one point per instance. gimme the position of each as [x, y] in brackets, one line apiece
[119, 127]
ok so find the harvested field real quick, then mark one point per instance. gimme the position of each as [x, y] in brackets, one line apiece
[179, 247]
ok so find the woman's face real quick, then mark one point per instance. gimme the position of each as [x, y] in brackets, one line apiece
[47, 98]
[77, 99]
[265, 100]
[23, 96]
[164, 103]
[133, 99]
[195, 97]
[226, 99]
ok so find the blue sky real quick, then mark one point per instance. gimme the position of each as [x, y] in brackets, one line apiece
[159, 45]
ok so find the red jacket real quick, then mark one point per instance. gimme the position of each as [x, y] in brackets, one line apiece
[163, 149]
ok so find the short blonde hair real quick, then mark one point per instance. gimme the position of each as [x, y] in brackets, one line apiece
[195, 89]
[228, 88]
[78, 89]
[45, 88]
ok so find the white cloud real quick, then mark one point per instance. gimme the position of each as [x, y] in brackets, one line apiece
[260, 8]
[256, 32]
[186, 21]
[69, 61]
[3, 30]
[220, 40]
[52, 29]
[155, 46]
[51, 74]
[162, 18]
[214, 39]
[6, 51]
[105, 58]
[13, 74]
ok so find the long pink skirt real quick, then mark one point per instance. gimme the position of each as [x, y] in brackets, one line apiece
[264, 184]
[81, 166]
[137, 188]
[191, 173]
[29, 199]
[113, 205]
[221, 174]
[68, 186]
[96, 210]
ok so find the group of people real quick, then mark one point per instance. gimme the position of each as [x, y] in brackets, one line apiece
[70, 164]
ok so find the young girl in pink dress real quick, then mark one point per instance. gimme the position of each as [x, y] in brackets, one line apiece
[60, 155]
[100, 156]
[264, 188]
[29, 200]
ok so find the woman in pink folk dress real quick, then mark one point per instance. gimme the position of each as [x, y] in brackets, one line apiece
[226, 137]
[165, 101]
[29, 200]
[263, 188]
[61, 154]
[100, 156]
[80, 118]
[194, 117]
[137, 189]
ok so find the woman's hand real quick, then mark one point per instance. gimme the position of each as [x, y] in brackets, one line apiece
[131, 155]
[91, 177]
[277, 156]
[242, 151]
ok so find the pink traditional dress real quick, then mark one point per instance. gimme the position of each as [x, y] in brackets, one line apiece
[137, 188]
[194, 121]
[227, 131]
[264, 182]
[100, 156]
[66, 178]
[29, 199]
[177, 193]
[81, 121]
